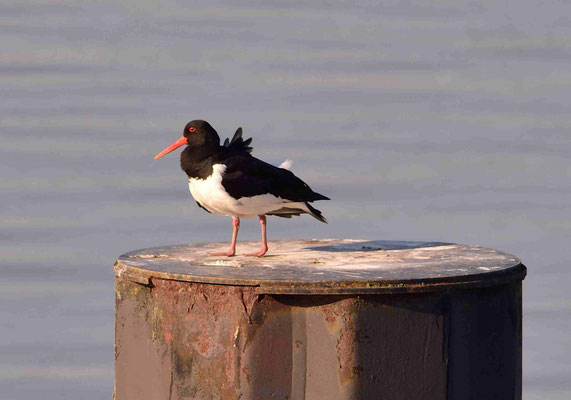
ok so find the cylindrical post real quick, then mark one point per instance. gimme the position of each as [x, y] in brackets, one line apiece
[322, 319]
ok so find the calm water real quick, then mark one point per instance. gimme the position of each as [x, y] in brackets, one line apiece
[440, 121]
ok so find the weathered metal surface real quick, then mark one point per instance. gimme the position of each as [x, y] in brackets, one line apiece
[485, 337]
[178, 340]
[181, 339]
[333, 266]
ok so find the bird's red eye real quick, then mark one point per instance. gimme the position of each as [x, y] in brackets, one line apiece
[192, 129]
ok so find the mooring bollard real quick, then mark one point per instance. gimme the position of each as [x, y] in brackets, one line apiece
[319, 319]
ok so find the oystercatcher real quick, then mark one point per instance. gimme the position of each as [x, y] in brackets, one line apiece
[226, 179]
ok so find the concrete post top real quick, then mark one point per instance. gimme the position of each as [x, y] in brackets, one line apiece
[328, 266]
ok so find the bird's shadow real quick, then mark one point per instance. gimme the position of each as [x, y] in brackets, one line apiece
[376, 245]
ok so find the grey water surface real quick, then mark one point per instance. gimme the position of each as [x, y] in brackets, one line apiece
[430, 121]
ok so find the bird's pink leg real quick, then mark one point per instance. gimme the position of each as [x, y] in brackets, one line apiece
[232, 251]
[264, 238]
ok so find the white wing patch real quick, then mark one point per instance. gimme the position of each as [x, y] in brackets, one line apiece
[211, 195]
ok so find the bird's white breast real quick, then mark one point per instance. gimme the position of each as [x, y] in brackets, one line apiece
[211, 195]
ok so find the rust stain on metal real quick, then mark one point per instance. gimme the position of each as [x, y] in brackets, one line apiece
[346, 342]
[197, 330]
[329, 316]
[197, 342]
[247, 373]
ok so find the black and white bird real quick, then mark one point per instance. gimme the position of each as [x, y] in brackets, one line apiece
[226, 179]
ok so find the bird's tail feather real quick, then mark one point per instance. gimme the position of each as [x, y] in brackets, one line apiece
[315, 213]
[297, 209]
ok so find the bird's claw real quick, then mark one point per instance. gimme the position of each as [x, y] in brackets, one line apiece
[258, 254]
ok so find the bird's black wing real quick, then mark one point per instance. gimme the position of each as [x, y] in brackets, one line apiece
[247, 176]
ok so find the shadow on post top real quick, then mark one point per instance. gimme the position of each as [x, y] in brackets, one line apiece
[376, 245]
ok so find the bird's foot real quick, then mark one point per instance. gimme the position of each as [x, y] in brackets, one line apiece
[260, 253]
[229, 253]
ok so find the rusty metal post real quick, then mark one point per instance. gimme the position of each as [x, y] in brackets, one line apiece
[323, 319]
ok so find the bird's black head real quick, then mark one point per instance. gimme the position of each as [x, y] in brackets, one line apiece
[198, 135]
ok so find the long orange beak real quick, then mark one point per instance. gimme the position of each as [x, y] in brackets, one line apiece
[179, 142]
